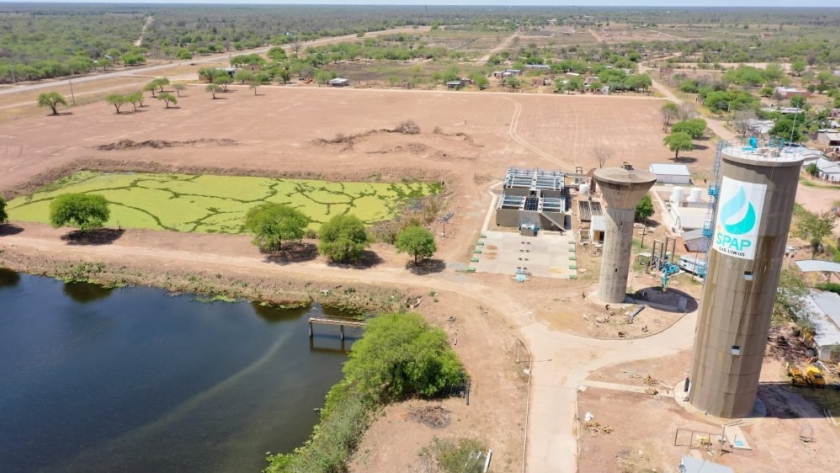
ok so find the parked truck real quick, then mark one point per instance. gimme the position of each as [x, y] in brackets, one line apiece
[796, 376]
[814, 377]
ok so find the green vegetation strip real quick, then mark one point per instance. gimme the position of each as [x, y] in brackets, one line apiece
[211, 204]
[401, 356]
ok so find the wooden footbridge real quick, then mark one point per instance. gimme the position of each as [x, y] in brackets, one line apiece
[341, 323]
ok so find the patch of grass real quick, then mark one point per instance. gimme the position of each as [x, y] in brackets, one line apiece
[217, 204]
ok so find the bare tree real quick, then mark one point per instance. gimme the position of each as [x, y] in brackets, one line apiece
[669, 113]
[602, 154]
[687, 111]
[742, 119]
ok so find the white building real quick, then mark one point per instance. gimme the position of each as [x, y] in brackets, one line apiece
[685, 219]
[824, 313]
[828, 170]
[671, 173]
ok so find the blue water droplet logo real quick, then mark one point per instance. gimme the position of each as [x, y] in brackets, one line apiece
[732, 209]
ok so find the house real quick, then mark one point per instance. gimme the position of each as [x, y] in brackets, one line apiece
[759, 127]
[828, 170]
[455, 84]
[339, 82]
[544, 67]
[498, 74]
[788, 92]
[513, 72]
[671, 173]
[830, 139]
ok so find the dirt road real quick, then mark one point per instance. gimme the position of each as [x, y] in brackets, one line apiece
[560, 361]
[502, 46]
[201, 60]
[146, 26]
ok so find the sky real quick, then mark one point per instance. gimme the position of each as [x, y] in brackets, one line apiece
[623, 3]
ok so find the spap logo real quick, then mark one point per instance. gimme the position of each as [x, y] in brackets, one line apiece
[739, 217]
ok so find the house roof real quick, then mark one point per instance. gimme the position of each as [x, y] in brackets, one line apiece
[824, 314]
[833, 136]
[339, 80]
[828, 167]
[691, 218]
[692, 235]
[670, 169]
[809, 265]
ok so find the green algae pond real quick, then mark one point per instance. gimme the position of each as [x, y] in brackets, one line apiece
[217, 204]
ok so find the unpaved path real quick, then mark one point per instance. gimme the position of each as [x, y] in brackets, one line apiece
[560, 361]
[201, 60]
[149, 20]
[501, 47]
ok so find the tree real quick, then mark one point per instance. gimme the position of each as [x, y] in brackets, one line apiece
[797, 101]
[790, 304]
[4, 217]
[161, 82]
[400, 356]
[276, 53]
[273, 223]
[83, 211]
[602, 154]
[168, 98]
[686, 111]
[343, 238]
[151, 87]
[243, 76]
[417, 241]
[513, 82]
[575, 84]
[798, 66]
[258, 80]
[136, 98]
[117, 100]
[812, 169]
[788, 127]
[223, 80]
[178, 88]
[742, 121]
[51, 100]
[815, 227]
[283, 75]
[669, 113]
[644, 209]
[213, 89]
[480, 80]
[679, 141]
[696, 127]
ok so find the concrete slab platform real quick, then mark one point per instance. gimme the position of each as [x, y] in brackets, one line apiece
[548, 255]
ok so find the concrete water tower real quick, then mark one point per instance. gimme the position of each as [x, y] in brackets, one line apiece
[756, 197]
[622, 189]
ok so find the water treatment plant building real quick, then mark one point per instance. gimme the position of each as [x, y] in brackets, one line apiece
[533, 200]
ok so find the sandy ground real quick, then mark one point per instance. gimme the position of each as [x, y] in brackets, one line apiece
[636, 445]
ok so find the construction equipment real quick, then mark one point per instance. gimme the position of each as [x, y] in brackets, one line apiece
[814, 377]
[796, 377]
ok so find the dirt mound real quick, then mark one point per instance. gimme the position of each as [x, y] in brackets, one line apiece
[159, 144]
[436, 416]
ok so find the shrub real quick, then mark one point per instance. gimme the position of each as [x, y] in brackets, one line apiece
[343, 238]
[83, 211]
[408, 127]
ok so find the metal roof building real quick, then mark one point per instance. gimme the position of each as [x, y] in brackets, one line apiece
[690, 464]
[824, 314]
[671, 173]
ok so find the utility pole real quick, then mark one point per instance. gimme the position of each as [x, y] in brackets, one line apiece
[72, 95]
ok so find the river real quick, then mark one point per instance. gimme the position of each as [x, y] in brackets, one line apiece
[136, 380]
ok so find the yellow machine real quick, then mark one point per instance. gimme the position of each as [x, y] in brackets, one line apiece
[814, 377]
[796, 377]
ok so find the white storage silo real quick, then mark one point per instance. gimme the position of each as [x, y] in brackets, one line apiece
[677, 196]
[695, 195]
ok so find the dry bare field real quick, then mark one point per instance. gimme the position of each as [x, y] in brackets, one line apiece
[277, 131]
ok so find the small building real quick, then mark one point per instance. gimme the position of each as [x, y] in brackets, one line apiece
[339, 82]
[830, 139]
[685, 219]
[671, 173]
[543, 67]
[513, 72]
[828, 170]
[695, 240]
[788, 92]
[823, 310]
[455, 84]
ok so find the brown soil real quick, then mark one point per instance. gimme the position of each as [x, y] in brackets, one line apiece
[634, 445]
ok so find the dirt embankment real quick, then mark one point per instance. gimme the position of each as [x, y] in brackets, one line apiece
[283, 292]
[158, 144]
